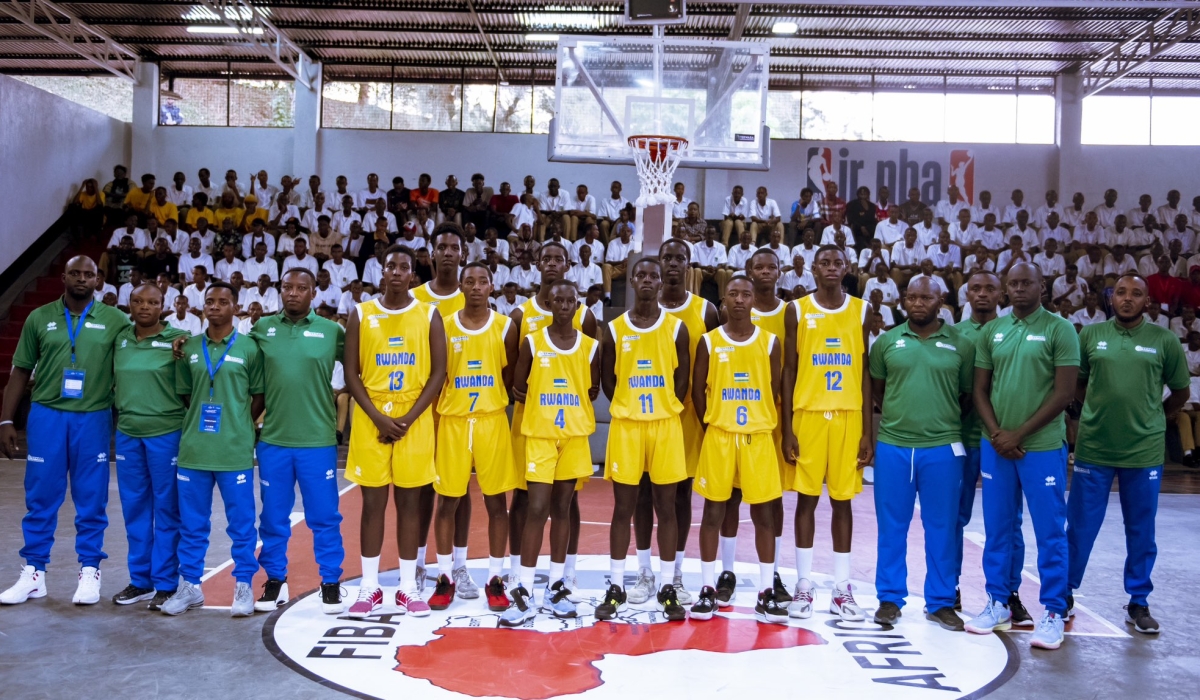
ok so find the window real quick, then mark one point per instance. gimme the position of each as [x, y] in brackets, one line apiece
[356, 105]
[543, 109]
[514, 108]
[981, 118]
[1116, 120]
[783, 113]
[262, 103]
[112, 96]
[909, 116]
[226, 102]
[479, 107]
[836, 116]
[1035, 119]
[1173, 121]
[426, 106]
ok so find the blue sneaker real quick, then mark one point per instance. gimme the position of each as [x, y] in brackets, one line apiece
[556, 601]
[996, 617]
[520, 611]
[1049, 632]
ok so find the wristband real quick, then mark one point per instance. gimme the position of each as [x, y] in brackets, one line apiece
[6, 422]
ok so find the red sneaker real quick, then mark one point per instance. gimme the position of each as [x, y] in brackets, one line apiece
[497, 599]
[369, 601]
[411, 604]
[443, 593]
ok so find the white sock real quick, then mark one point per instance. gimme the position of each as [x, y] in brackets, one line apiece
[803, 563]
[408, 575]
[728, 552]
[460, 557]
[421, 555]
[679, 563]
[766, 575]
[370, 572]
[778, 549]
[443, 564]
[528, 573]
[708, 574]
[666, 571]
[616, 571]
[841, 569]
[556, 572]
[495, 566]
[514, 564]
[643, 556]
[569, 567]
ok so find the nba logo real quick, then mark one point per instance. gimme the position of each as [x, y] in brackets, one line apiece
[820, 169]
[962, 173]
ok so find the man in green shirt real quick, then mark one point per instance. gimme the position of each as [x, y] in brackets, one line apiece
[149, 416]
[221, 377]
[299, 442]
[1025, 369]
[68, 345]
[1124, 363]
[919, 453]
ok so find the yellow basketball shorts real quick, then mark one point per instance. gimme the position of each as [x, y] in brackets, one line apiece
[638, 447]
[828, 453]
[750, 459]
[787, 472]
[518, 449]
[547, 460]
[407, 463]
[693, 437]
[482, 441]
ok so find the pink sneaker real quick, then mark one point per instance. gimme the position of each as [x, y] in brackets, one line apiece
[411, 604]
[369, 602]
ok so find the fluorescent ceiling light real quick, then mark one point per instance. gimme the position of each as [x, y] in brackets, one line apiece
[541, 37]
[562, 19]
[220, 29]
[784, 27]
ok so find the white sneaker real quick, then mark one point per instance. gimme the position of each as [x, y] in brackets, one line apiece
[31, 584]
[88, 592]
[243, 600]
[802, 600]
[681, 593]
[843, 604]
[643, 590]
[572, 584]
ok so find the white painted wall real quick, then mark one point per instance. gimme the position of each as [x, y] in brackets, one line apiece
[48, 146]
[1138, 170]
[219, 148]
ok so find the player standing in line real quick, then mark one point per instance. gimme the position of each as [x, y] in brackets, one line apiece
[827, 399]
[299, 440]
[443, 293]
[1124, 364]
[983, 293]
[1026, 365]
[735, 382]
[473, 430]
[531, 317]
[920, 362]
[644, 373]
[221, 373]
[70, 343]
[558, 376]
[395, 366]
[149, 413]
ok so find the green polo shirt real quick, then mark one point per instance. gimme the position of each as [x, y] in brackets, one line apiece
[1023, 355]
[297, 368]
[1123, 424]
[925, 377]
[147, 403]
[240, 377]
[45, 350]
[972, 424]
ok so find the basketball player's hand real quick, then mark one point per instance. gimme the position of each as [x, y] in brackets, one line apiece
[866, 452]
[791, 448]
[1007, 444]
[177, 347]
[403, 423]
[8, 441]
[388, 430]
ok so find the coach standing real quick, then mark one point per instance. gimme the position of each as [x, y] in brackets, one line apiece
[1124, 363]
[1026, 364]
[69, 343]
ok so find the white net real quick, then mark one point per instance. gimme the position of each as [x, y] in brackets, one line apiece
[656, 158]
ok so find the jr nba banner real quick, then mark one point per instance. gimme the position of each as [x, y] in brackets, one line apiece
[899, 173]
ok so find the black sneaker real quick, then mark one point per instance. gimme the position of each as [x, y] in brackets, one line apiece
[705, 605]
[887, 614]
[275, 594]
[957, 599]
[132, 594]
[331, 599]
[768, 610]
[1139, 616]
[613, 603]
[1020, 616]
[782, 597]
[726, 585]
[1070, 608]
[668, 602]
[160, 597]
[947, 618]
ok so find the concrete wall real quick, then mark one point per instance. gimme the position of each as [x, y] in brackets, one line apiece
[48, 146]
[245, 149]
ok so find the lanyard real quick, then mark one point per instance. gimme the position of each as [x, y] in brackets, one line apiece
[212, 371]
[73, 329]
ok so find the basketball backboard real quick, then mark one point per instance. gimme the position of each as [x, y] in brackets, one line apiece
[712, 93]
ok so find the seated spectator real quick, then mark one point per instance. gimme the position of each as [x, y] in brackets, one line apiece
[590, 239]
[946, 257]
[1091, 233]
[829, 204]
[312, 215]
[326, 296]
[411, 237]
[301, 258]
[258, 234]
[161, 262]
[1013, 254]
[1070, 288]
[1155, 315]
[907, 256]
[229, 263]
[1090, 314]
[692, 226]
[608, 209]
[260, 264]
[1145, 208]
[199, 210]
[169, 292]
[618, 253]
[380, 212]
[344, 217]
[131, 229]
[807, 247]
[185, 318]
[121, 261]
[525, 275]
[680, 205]
[928, 271]
[324, 239]
[192, 259]
[1041, 215]
[341, 271]
[139, 198]
[764, 217]
[913, 209]
[160, 208]
[126, 289]
[870, 258]
[1093, 267]
[927, 229]
[797, 281]
[524, 213]
[990, 236]
[1166, 290]
[1148, 264]
[341, 191]
[805, 214]
[711, 259]
[1181, 229]
[874, 330]
[238, 282]
[776, 246]
[1053, 229]
[980, 211]
[179, 193]
[1049, 261]
[1187, 421]
[1185, 323]
[87, 209]
[498, 246]
[834, 228]
[254, 212]
[510, 301]
[254, 312]
[500, 271]
[585, 273]
[962, 231]
[1118, 263]
[425, 225]
[581, 211]
[424, 198]
[476, 201]
[227, 208]
[949, 210]
[977, 259]
[205, 235]
[884, 203]
[523, 242]
[194, 292]
[265, 294]
[177, 241]
[594, 301]
[885, 284]
[365, 201]
[740, 253]
[309, 197]
[733, 215]
[1013, 211]
[472, 245]
[891, 230]
[287, 240]
[352, 297]
[1072, 216]
[397, 202]
[860, 217]
[228, 235]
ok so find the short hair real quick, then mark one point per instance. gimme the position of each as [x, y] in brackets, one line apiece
[258, 221]
[596, 288]
[201, 268]
[765, 251]
[219, 284]
[403, 250]
[323, 217]
[448, 227]
[150, 285]
[830, 246]
[477, 265]
[476, 176]
[302, 270]
[147, 177]
[553, 244]
[509, 284]
[648, 261]
[397, 181]
[679, 242]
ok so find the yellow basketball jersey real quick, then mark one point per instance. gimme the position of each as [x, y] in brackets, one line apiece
[474, 362]
[692, 315]
[646, 362]
[770, 321]
[557, 404]
[445, 305]
[739, 383]
[534, 318]
[829, 343]
[393, 350]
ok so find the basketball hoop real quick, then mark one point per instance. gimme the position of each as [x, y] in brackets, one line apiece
[656, 158]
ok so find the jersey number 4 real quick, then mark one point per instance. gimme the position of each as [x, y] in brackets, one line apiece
[560, 420]
[833, 381]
